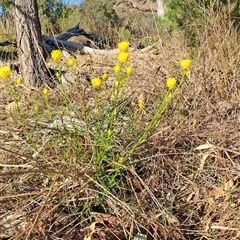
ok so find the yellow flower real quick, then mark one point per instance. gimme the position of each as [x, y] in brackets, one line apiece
[18, 81]
[140, 104]
[117, 69]
[71, 61]
[5, 72]
[171, 82]
[185, 63]
[96, 82]
[123, 57]
[45, 91]
[121, 160]
[56, 55]
[109, 132]
[36, 108]
[141, 101]
[170, 95]
[129, 70]
[105, 76]
[186, 72]
[58, 74]
[123, 46]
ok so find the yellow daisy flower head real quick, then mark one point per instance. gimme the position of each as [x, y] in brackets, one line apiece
[18, 81]
[141, 104]
[58, 74]
[171, 82]
[5, 72]
[96, 83]
[71, 61]
[56, 55]
[141, 101]
[45, 91]
[123, 57]
[117, 69]
[186, 72]
[121, 160]
[105, 76]
[123, 46]
[170, 95]
[185, 63]
[109, 132]
[129, 70]
[36, 108]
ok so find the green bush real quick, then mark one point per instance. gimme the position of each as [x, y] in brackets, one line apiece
[99, 16]
[191, 15]
[181, 13]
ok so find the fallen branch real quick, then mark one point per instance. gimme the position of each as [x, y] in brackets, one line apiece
[61, 42]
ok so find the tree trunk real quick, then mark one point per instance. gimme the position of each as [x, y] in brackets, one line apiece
[160, 8]
[29, 42]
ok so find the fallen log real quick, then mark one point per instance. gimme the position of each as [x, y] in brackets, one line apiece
[50, 43]
[61, 41]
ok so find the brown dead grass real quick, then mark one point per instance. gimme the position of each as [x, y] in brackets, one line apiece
[183, 182]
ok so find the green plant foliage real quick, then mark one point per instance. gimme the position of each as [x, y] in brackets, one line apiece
[50, 14]
[148, 41]
[124, 33]
[181, 13]
[99, 16]
[191, 15]
[5, 5]
[100, 11]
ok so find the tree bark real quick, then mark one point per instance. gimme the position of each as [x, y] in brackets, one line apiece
[160, 8]
[29, 42]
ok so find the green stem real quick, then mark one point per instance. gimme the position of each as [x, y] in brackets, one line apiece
[18, 109]
[157, 116]
[116, 89]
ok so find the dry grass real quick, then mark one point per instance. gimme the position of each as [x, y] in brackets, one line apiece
[182, 183]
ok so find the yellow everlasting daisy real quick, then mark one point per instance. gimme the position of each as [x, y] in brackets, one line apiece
[117, 69]
[141, 104]
[121, 160]
[123, 57]
[129, 70]
[5, 72]
[105, 76]
[186, 72]
[141, 101]
[56, 55]
[96, 82]
[109, 132]
[18, 81]
[171, 82]
[58, 74]
[185, 63]
[36, 108]
[71, 61]
[170, 96]
[123, 46]
[45, 91]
